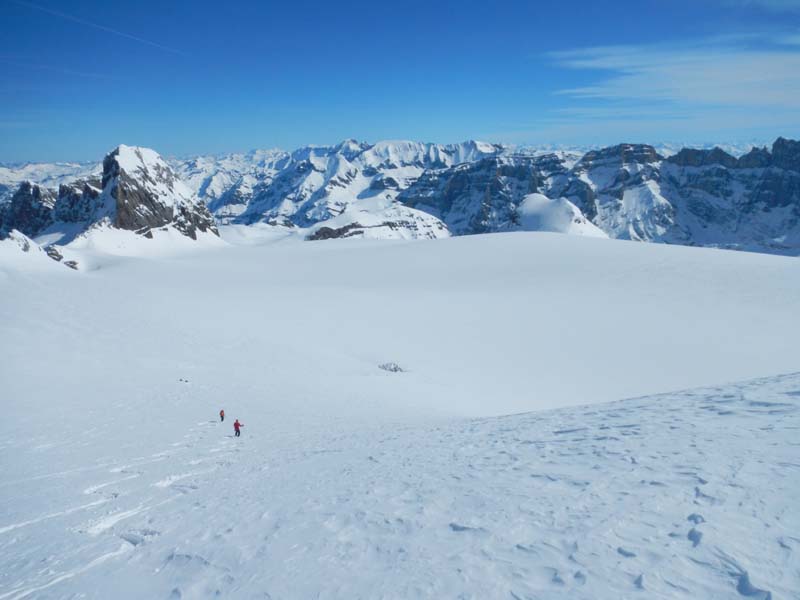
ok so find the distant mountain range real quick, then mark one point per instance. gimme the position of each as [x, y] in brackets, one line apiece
[402, 189]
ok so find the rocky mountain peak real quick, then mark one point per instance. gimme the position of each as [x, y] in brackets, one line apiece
[757, 158]
[145, 192]
[137, 191]
[144, 166]
[619, 155]
[690, 157]
[351, 148]
[786, 154]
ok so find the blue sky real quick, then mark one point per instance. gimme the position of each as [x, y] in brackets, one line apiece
[78, 78]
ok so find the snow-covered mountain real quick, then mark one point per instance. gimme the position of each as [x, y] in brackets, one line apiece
[482, 196]
[704, 197]
[337, 191]
[144, 193]
[314, 183]
[400, 189]
[696, 197]
[50, 175]
[226, 182]
[136, 192]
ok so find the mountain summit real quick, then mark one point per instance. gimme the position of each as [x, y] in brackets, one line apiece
[144, 192]
[138, 191]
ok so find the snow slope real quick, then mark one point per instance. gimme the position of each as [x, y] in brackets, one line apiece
[354, 482]
[537, 212]
[685, 495]
[19, 252]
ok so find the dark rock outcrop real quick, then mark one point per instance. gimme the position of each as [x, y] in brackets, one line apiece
[620, 154]
[79, 201]
[151, 195]
[757, 158]
[30, 210]
[786, 154]
[330, 233]
[481, 196]
[690, 157]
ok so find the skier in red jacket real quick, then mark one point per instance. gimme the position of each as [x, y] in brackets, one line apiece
[222, 415]
[236, 426]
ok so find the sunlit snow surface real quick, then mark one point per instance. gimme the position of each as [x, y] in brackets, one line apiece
[351, 481]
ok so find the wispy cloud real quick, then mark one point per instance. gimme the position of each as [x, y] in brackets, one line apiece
[724, 88]
[699, 74]
[770, 5]
[86, 23]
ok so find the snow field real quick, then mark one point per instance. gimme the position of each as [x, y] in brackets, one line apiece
[354, 482]
[683, 495]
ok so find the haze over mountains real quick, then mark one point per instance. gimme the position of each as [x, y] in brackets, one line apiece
[408, 190]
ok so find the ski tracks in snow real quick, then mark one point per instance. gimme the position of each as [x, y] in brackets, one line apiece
[122, 511]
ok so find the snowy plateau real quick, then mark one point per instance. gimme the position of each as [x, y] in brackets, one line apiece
[460, 373]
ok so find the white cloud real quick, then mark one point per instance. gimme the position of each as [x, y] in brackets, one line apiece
[692, 75]
[723, 88]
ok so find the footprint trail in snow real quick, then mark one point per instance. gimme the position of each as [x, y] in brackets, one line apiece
[683, 495]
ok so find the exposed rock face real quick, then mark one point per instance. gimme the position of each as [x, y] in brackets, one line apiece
[786, 154]
[6, 192]
[30, 209]
[774, 188]
[708, 198]
[689, 157]
[78, 201]
[138, 191]
[482, 196]
[145, 193]
[486, 195]
[757, 158]
[621, 154]
[697, 197]
[330, 233]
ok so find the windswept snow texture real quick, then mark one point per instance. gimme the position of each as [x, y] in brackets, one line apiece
[354, 481]
[685, 495]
